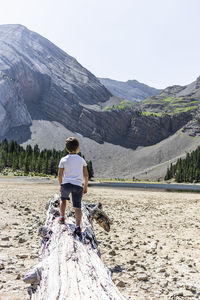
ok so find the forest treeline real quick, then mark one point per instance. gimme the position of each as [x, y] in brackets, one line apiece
[32, 160]
[187, 169]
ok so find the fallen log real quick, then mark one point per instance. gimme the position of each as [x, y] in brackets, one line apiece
[70, 268]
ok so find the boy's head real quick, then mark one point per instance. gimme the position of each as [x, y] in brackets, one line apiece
[72, 145]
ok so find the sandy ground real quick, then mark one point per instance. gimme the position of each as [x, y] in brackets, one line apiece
[153, 247]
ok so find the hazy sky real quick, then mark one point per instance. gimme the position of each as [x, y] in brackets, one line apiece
[154, 41]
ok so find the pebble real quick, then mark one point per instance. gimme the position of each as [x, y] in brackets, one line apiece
[2, 266]
[22, 256]
[132, 262]
[27, 209]
[142, 277]
[161, 270]
[188, 294]
[190, 287]
[131, 269]
[113, 253]
[32, 256]
[164, 284]
[22, 240]
[6, 238]
[3, 245]
[9, 271]
[121, 283]
[178, 293]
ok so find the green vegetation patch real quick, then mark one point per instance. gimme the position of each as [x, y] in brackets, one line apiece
[184, 109]
[108, 108]
[183, 102]
[121, 106]
[168, 99]
[152, 114]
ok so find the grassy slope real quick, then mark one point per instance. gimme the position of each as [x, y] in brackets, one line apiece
[170, 105]
[159, 105]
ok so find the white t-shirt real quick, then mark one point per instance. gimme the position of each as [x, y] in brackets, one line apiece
[73, 169]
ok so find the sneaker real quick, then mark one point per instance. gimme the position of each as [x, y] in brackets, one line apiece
[78, 232]
[61, 220]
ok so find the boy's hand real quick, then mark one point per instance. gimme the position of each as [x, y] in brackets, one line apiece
[85, 174]
[60, 188]
[84, 189]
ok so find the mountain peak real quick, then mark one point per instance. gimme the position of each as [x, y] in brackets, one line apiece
[13, 26]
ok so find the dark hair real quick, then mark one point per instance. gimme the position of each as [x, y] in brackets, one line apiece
[72, 144]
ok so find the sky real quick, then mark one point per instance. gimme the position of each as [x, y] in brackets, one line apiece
[153, 41]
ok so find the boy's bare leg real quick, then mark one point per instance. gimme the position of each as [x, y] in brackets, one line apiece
[62, 207]
[78, 216]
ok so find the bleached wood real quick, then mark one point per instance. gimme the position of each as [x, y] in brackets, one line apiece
[70, 268]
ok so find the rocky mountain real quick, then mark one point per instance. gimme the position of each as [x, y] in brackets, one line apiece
[46, 95]
[37, 78]
[131, 90]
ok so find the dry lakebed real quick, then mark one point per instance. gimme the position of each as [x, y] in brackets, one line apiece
[152, 249]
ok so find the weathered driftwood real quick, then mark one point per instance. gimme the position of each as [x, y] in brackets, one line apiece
[70, 268]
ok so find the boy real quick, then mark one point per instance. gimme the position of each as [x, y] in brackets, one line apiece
[72, 169]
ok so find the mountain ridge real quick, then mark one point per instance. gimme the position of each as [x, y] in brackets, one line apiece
[131, 90]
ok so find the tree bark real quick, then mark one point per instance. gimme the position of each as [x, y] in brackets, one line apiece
[70, 268]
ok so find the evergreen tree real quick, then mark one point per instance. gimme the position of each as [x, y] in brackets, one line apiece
[167, 176]
[29, 150]
[36, 151]
[26, 164]
[90, 170]
[52, 166]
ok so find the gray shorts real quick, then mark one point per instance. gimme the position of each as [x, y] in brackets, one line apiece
[77, 193]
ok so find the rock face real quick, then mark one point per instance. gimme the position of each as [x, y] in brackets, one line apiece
[13, 110]
[129, 127]
[131, 90]
[37, 78]
[39, 81]
[193, 127]
[192, 89]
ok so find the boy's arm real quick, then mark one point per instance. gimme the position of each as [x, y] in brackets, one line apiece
[85, 175]
[60, 175]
